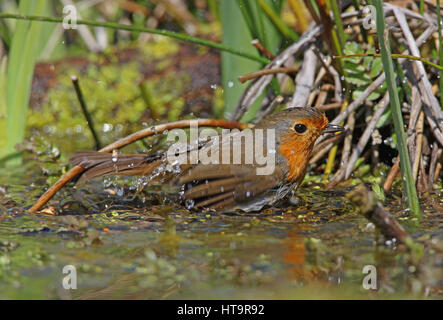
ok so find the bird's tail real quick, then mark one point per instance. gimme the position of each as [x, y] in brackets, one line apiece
[98, 164]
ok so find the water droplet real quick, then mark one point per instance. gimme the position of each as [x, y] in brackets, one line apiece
[176, 169]
[114, 156]
[189, 204]
[230, 84]
[107, 127]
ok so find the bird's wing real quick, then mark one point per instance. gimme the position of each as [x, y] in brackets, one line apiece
[219, 186]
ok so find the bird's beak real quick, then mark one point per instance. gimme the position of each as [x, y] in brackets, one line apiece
[331, 128]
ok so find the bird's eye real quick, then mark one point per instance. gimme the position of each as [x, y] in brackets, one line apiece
[300, 128]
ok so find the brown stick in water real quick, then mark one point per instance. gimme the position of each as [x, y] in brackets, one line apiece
[385, 222]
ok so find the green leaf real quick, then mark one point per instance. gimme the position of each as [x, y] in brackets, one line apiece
[357, 78]
[379, 192]
[385, 119]
[373, 96]
[235, 34]
[353, 48]
[25, 47]
[376, 67]
[405, 162]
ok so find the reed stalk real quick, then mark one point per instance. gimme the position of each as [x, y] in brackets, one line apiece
[405, 163]
[25, 48]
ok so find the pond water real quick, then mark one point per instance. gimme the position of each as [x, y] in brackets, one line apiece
[143, 247]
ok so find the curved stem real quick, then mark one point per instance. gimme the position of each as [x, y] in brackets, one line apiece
[166, 33]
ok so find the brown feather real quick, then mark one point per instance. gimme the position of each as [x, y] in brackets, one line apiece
[98, 164]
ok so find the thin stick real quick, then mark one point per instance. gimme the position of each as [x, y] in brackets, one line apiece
[330, 106]
[424, 84]
[393, 173]
[269, 109]
[322, 95]
[374, 212]
[260, 73]
[347, 145]
[331, 156]
[388, 225]
[438, 168]
[304, 81]
[334, 74]
[323, 147]
[366, 135]
[416, 107]
[424, 177]
[419, 145]
[348, 139]
[89, 121]
[433, 163]
[260, 47]
[311, 9]
[433, 124]
[130, 139]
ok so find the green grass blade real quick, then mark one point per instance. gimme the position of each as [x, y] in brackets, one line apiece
[405, 163]
[236, 35]
[214, 9]
[338, 23]
[260, 26]
[165, 33]
[280, 25]
[25, 46]
[246, 11]
[3, 63]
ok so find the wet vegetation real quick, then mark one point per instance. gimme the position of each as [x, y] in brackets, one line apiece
[139, 243]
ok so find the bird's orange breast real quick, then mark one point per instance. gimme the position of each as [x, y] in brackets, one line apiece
[296, 156]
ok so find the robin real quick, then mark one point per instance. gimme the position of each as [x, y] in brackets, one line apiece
[232, 181]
